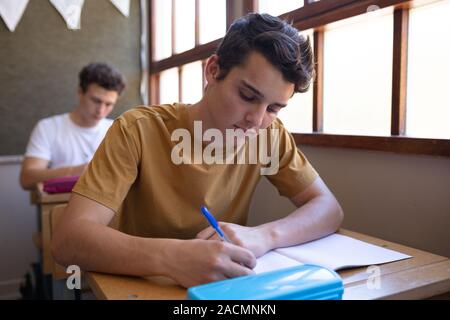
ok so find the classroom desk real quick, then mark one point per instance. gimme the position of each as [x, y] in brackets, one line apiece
[426, 275]
[45, 202]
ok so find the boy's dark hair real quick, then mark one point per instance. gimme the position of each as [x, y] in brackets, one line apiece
[103, 75]
[279, 42]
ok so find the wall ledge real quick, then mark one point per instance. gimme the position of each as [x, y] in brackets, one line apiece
[15, 159]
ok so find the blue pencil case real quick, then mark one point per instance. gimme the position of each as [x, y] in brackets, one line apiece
[303, 282]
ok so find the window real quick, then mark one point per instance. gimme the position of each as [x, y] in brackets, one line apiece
[184, 25]
[428, 94]
[169, 86]
[176, 33]
[175, 27]
[277, 8]
[377, 75]
[192, 82]
[358, 76]
[297, 116]
[163, 32]
[212, 20]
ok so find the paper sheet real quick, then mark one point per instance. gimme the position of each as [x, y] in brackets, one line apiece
[273, 261]
[335, 252]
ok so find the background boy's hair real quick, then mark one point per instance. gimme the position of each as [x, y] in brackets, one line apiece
[103, 75]
[278, 41]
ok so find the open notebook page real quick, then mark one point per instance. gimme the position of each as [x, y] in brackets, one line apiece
[335, 252]
[273, 261]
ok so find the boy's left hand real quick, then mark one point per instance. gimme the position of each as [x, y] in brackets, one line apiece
[251, 238]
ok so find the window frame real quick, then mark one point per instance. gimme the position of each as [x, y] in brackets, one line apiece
[316, 15]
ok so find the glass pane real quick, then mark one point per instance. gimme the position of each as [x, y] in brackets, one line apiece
[192, 82]
[184, 25]
[212, 20]
[168, 86]
[358, 75]
[297, 116]
[277, 8]
[428, 98]
[163, 32]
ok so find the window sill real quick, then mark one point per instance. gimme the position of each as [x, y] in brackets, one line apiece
[396, 144]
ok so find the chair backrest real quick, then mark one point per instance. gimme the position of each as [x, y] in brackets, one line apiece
[58, 271]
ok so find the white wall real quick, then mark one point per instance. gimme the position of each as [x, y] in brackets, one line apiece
[401, 198]
[18, 221]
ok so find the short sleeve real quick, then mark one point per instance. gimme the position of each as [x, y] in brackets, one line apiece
[39, 145]
[295, 173]
[114, 167]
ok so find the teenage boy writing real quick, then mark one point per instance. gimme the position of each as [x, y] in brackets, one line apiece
[258, 66]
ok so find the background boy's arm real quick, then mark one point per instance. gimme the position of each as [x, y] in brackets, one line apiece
[83, 238]
[35, 170]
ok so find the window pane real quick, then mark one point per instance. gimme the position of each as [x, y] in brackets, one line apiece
[168, 86]
[297, 116]
[277, 8]
[212, 20]
[184, 25]
[192, 82]
[428, 98]
[163, 32]
[358, 75]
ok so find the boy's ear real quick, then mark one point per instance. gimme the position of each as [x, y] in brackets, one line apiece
[212, 68]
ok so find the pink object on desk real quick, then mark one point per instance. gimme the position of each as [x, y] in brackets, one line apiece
[60, 185]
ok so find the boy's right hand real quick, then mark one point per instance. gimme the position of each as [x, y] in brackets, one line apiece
[194, 262]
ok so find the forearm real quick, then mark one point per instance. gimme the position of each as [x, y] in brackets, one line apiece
[94, 247]
[317, 218]
[30, 177]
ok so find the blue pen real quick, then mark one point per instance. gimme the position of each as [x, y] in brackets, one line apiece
[213, 222]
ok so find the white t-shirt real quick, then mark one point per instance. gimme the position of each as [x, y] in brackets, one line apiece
[62, 142]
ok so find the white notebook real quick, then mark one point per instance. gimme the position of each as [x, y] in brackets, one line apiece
[334, 252]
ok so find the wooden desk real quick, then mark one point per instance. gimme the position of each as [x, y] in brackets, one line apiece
[39, 196]
[424, 276]
[45, 202]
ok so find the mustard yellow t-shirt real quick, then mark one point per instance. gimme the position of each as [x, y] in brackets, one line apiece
[133, 174]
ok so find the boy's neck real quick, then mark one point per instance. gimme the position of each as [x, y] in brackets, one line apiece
[77, 118]
[199, 112]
